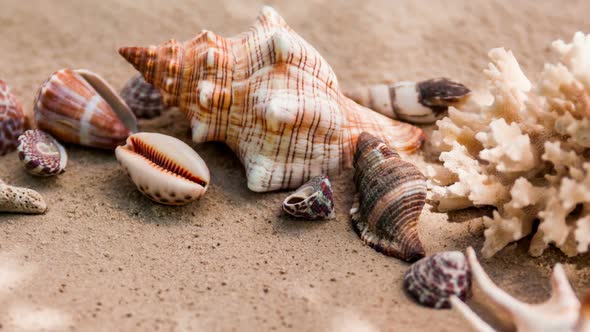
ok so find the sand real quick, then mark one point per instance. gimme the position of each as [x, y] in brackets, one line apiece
[106, 258]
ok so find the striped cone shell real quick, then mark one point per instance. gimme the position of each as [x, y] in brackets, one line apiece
[391, 195]
[421, 102]
[434, 279]
[313, 200]
[78, 106]
[41, 154]
[270, 97]
[143, 98]
[12, 120]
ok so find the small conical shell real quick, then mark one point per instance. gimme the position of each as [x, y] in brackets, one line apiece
[164, 168]
[422, 102]
[41, 154]
[313, 200]
[391, 195]
[434, 279]
[270, 97]
[143, 98]
[78, 106]
[12, 120]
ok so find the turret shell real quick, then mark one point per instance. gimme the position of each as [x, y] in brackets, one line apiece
[164, 168]
[313, 200]
[391, 195]
[434, 279]
[143, 98]
[12, 120]
[41, 154]
[78, 106]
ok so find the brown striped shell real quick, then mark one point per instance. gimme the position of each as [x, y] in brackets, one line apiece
[41, 154]
[12, 120]
[421, 102]
[270, 97]
[143, 98]
[391, 195]
[78, 106]
[434, 279]
[164, 168]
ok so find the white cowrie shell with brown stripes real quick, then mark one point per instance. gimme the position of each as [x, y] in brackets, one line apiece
[164, 168]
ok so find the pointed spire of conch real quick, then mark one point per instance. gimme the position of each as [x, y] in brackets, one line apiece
[161, 66]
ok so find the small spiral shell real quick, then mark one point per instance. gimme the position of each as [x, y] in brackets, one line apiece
[313, 200]
[391, 195]
[143, 98]
[41, 154]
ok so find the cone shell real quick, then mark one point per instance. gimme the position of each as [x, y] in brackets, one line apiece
[78, 106]
[41, 154]
[12, 120]
[313, 200]
[271, 97]
[391, 195]
[164, 168]
[143, 98]
[434, 279]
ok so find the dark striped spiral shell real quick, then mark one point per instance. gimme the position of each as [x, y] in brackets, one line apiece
[392, 193]
[143, 98]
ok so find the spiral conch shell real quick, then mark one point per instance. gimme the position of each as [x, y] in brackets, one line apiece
[271, 97]
[78, 106]
[12, 120]
[391, 195]
[164, 168]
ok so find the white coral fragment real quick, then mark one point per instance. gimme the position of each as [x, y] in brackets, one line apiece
[527, 153]
[20, 200]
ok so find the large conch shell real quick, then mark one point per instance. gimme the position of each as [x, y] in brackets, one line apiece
[271, 97]
[563, 312]
[391, 195]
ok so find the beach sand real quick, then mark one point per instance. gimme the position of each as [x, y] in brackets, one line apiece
[105, 258]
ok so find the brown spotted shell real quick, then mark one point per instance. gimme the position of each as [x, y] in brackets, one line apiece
[313, 200]
[434, 279]
[391, 195]
[41, 154]
[143, 98]
[164, 168]
[12, 120]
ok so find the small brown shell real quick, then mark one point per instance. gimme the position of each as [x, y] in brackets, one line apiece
[434, 279]
[78, 106]
[143, 98]
[41, 154]
[164, 168]
[12, 120]
[392, 193]
[312, 201]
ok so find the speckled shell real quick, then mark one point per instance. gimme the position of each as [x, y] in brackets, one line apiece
[432, 280]
[313, 200]
[12, 120]
[270, 97]
[143, 98]
[78, 106]
[164, 168]
[41, 154]
[391, 195]
[421, 102]
[20, 200]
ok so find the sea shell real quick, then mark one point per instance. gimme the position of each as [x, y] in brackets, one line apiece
[143, 98]
[432, 280]
[313, 200]
[270, 97]
[391, 194]
[164, 168]
[562, 312]
[12, 119]
[78, 106]
[422, 102]
[20, 200]
[41, 154]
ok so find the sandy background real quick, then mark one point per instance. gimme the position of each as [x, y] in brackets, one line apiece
[106, 258]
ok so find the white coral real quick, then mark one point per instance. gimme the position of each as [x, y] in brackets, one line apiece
[527, 153]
